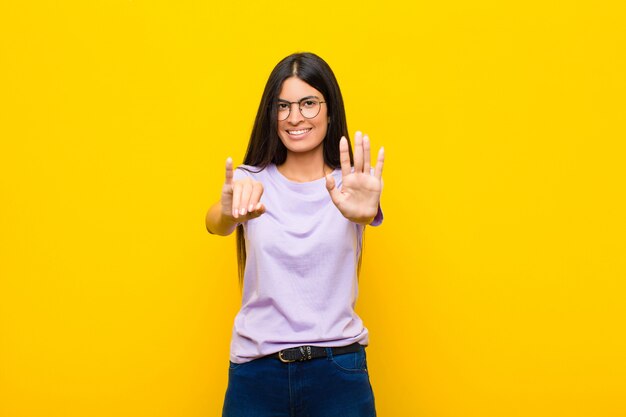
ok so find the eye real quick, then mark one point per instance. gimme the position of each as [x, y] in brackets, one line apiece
[283, 106]
[307, 104]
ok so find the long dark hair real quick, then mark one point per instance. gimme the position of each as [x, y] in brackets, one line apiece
[265, 146]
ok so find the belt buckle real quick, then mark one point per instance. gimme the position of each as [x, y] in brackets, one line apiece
[305, 354]
[283, 360]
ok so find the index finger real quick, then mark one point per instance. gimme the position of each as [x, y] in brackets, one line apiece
[229, 171]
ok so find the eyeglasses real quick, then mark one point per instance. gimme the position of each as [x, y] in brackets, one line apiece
[309, 107]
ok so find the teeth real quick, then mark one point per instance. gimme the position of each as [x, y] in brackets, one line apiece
[297, 132]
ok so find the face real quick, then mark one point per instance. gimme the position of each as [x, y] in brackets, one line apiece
[298, 133]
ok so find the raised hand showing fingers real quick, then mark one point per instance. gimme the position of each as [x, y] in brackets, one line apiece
[359, 196]
[240, 201]
[241, 198]
[246, 199]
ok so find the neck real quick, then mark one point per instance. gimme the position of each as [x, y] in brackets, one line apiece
[304, 168]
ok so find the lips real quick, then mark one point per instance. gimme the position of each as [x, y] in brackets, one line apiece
[298, 132]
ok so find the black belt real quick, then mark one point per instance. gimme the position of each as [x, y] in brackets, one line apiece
[305, 353]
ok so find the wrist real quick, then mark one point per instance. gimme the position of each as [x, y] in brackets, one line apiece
[373, 218]
[363, 221]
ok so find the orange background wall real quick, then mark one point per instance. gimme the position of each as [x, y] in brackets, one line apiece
[495, 287]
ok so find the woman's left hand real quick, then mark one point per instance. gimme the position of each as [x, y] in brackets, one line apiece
[359, 196]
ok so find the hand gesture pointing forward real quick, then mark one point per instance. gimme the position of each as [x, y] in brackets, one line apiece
[359, 196]
[240, 202]
[241, 198]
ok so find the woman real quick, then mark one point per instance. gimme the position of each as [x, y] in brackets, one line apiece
[300, 204]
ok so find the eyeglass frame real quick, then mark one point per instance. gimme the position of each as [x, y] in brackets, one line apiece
[299, 102]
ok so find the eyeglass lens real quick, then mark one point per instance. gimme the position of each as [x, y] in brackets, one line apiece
[309, 108]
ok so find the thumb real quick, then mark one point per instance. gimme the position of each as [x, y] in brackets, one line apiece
[334, 192]
[229, 171]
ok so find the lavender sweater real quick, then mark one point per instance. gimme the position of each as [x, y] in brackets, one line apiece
[300, 283]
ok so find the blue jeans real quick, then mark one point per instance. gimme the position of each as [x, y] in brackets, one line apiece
[335, 386]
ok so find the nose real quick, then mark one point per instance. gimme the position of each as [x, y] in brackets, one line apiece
[294, 114]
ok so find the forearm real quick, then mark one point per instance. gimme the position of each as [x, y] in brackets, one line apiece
[218, 223]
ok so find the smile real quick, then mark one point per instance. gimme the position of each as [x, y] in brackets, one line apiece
[298, 132]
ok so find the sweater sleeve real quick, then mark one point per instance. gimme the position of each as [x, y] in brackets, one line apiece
[379, 217]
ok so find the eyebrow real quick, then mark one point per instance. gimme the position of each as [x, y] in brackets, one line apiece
[303, 98]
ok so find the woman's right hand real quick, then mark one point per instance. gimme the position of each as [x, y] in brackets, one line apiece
[241, 198]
